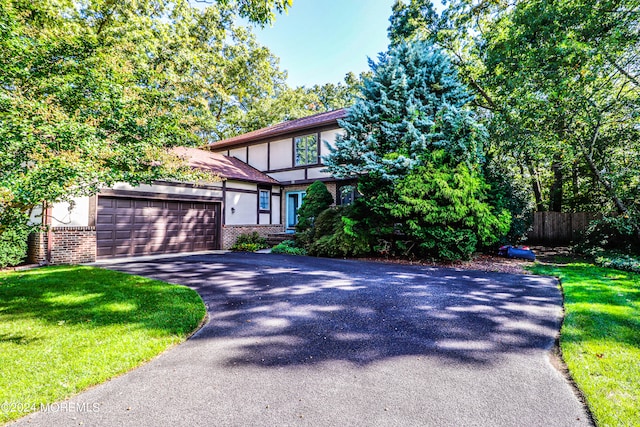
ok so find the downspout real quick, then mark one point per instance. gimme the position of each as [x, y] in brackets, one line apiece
[47, 218]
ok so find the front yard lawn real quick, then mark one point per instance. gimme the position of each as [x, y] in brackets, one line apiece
[63, 329]
[600, 338]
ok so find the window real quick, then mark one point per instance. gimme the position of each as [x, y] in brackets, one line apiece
[265, 197]
[346, 194]
[306, 150]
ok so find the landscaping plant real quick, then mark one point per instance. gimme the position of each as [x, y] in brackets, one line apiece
[249, 242]
[414, 121]
[288, 247]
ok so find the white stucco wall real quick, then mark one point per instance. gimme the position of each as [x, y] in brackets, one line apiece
[316, 173]
[293, 175]
[36, 216]
[239, 153]
[265, 218]
[241, 208]
[241, 186]
[330, 138]
[62, 215]
[275, 209]
[281, 155]
[258, 156]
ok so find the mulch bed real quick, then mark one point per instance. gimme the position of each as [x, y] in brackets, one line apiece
[480, 262]
[486, 262]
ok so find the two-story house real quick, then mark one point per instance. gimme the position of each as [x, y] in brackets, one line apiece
[264, 175]
[291, 153]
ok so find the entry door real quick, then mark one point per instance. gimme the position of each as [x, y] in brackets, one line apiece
[294, 200]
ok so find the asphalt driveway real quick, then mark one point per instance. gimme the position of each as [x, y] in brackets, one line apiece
[317, 342]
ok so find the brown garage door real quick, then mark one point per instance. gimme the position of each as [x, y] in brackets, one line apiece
[127, 226]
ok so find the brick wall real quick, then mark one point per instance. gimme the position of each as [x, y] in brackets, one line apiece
[70, 245]
[231, 232]
[37, 248]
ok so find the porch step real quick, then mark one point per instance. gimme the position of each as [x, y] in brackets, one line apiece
[276, 238]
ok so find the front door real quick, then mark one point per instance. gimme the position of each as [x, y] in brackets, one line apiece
[294, 200]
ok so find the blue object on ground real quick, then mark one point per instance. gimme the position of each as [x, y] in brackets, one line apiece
[517, 252]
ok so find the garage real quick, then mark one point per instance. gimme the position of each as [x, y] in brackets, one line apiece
[127, 226]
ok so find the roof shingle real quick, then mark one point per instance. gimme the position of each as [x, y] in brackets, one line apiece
[283, 128]
[225, 167]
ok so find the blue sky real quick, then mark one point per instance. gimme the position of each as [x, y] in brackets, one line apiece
[319, 41]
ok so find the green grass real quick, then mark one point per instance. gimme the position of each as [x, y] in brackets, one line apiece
[63, 329]
[600, 338]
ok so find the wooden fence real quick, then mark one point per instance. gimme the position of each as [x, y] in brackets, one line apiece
[559, 227]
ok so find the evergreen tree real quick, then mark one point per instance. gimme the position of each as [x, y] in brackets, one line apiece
[412, 107]
[315, 201]
[412, 104]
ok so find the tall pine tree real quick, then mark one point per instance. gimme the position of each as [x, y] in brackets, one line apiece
[411, 108]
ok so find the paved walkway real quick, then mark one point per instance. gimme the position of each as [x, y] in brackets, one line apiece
[297, 341]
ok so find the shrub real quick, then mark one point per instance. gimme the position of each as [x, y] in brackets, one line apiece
[335, 235]
[610, 233]
[442, 213]
[13, 246]
[619, 261]
[288, 247]
[249, 242]
[315, 201]
[506, 191]
[14, 232]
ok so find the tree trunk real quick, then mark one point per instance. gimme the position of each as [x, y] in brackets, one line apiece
[575, 186]
[555, 195]
[535, 185]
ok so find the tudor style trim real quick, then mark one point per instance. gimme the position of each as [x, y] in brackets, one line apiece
[107, 192]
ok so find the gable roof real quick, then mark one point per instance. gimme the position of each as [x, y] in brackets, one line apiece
[224, 166]
[283, 128]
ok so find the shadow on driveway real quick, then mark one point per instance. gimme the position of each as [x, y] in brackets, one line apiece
[298, 310]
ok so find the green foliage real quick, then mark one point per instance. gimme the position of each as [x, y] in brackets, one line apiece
[14, 232]
[249, 242]
[287, 103]
[412, 104]
[415, 147]
[559, 87]
[13, 246]
[610, 233]
[316, 200]
[288, 247]
[97, 92]
[506, 192]
[618, 261]
[441, 210]
[335, 235]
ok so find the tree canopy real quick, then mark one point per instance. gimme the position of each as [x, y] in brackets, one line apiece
[96, 91]
[558, 82]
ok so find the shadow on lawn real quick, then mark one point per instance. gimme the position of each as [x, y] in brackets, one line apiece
[278, 310]
[602, 304]
[95, 297]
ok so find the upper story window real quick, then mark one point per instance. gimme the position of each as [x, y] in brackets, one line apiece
[306, 150]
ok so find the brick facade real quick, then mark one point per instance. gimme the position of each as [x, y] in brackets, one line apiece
[70, 245]
[230, 233]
